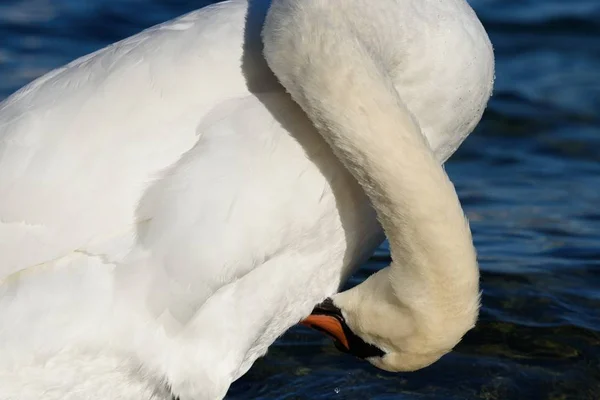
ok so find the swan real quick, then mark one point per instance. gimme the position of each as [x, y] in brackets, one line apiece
[174, 202]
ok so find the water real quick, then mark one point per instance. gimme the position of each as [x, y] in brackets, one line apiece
[529, 179]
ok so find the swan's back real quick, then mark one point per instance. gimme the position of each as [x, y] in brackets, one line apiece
[79, 146]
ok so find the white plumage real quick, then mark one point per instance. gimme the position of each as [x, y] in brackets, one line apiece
[167, 210]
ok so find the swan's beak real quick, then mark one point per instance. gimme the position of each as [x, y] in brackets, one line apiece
[330, 326]
[327, 318]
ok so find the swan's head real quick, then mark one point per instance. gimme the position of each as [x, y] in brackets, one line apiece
[371, 323]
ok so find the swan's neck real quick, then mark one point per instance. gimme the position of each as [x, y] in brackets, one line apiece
[354, 105]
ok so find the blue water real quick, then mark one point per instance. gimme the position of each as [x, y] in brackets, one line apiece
[528, 177]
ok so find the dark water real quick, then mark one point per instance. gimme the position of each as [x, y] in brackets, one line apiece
[529, 178]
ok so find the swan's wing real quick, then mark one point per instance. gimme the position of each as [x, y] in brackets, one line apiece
[79, 146]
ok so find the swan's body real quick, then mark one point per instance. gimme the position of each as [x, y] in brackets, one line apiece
[167, 211]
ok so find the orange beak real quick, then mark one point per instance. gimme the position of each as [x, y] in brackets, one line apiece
[328, 325]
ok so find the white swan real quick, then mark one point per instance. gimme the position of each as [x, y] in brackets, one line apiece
[167, 211]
